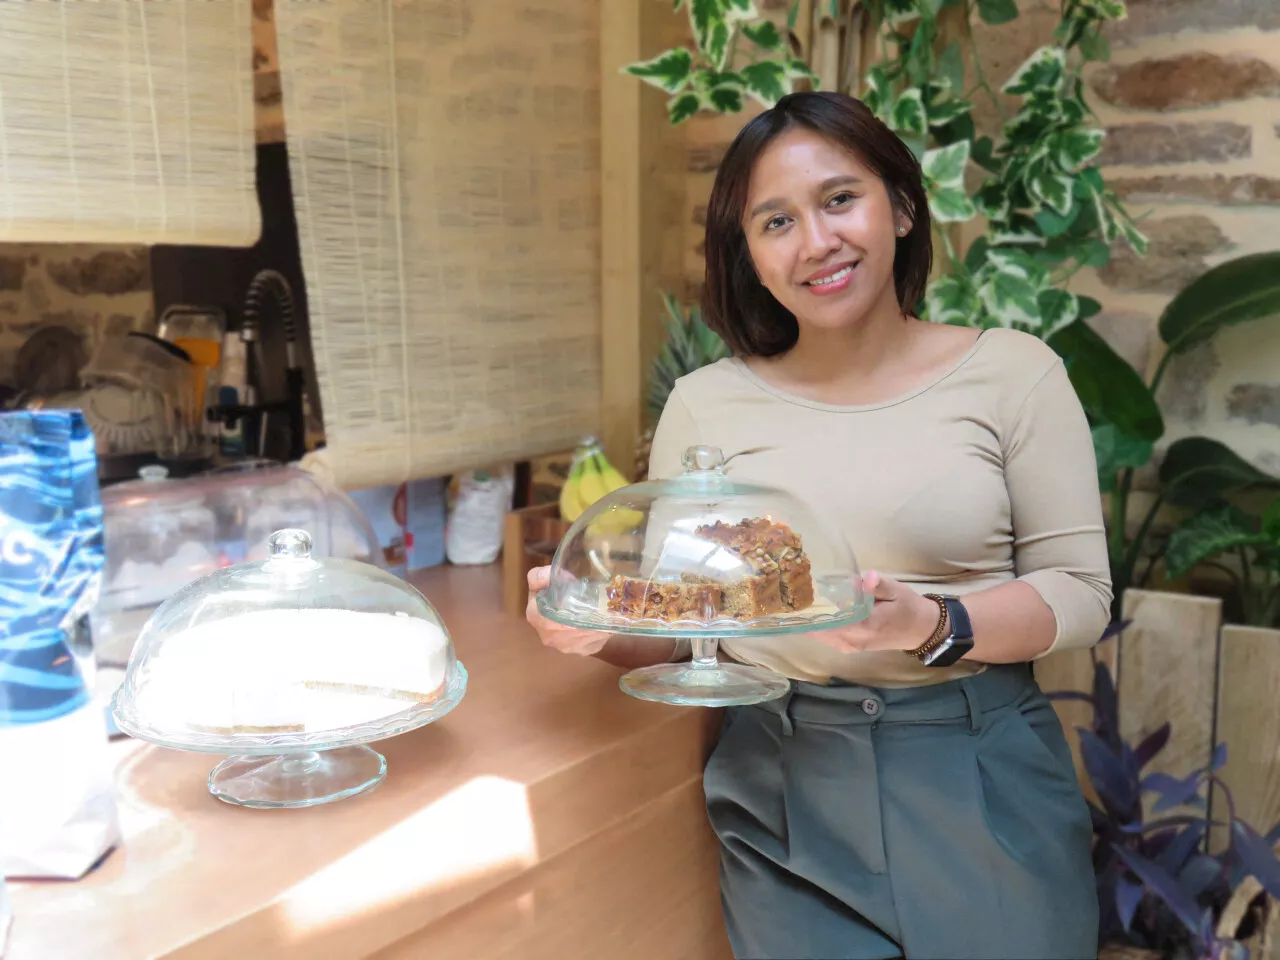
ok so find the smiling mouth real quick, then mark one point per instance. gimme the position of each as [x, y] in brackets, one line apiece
[836, 277]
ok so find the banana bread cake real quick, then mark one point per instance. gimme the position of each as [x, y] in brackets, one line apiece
[780, 580]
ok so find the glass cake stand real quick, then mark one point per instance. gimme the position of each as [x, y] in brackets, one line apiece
[290, 667]
[703, 557]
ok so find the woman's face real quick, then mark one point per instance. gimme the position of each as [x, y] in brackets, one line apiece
[821, 231]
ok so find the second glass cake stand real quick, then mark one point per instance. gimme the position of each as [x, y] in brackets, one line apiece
[703, 558]
[290, 666]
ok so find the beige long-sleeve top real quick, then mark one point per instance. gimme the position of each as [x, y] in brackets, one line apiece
[981, 476]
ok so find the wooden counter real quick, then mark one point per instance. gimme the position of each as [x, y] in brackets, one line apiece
[548, 816]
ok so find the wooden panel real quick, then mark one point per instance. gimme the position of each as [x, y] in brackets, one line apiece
[1073, 670]
[1168, 671]
[1249, 724]
[640, 190]
[608, 897]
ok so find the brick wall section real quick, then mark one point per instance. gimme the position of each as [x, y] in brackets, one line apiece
[1191, 104]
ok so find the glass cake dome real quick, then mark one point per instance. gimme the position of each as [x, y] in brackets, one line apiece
[703, 557]
[290, 665]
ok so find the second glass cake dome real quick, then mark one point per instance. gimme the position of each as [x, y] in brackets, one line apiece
[290, 665]
[706, 557]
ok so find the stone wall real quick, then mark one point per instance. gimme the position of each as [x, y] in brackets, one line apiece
[84, 289]
[1191, 103]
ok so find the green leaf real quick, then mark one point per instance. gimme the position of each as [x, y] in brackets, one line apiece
[1110, 390]
[793, 14]
[1209, 534]
[766, 81]
[977, 255]
[951, 67]
[681, 108]
[1094, 46]
[1057, 309]
[1017, 263]
[669, 71]
[896, 11]
[676, 5]
[947, 112]
[1132, 235]
[1271, 522]
[1053, 189]
[996, 12]
[735, 10]
[798, 69]
[1116, 451]
[950, 299]
[945, 166]
[1018, 231]
[983, 154]
[764, 35]
[950, 205]
[1196, 471]
[1072, 149]
[1243, 289]
[1043, 71]
[907, 116]
[1054, 224]
[725, 99]
[710, 31]
[1089, 307]
[879, 94]
[1010, 299]
[1093, 253]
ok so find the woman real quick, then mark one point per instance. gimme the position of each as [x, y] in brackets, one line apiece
[913, 795]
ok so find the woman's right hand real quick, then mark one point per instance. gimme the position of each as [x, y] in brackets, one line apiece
[584, 643]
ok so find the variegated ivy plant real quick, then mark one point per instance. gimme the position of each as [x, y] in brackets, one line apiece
[1048, 211]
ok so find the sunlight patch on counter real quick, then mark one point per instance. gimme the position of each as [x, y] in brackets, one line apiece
[481, 827]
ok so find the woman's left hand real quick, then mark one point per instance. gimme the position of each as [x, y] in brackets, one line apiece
[900, 620]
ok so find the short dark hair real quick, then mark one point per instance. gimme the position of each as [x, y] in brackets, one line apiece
[735, 304]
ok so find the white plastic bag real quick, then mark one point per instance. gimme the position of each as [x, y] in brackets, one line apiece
[481, 499]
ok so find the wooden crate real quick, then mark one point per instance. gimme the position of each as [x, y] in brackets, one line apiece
[530, 536]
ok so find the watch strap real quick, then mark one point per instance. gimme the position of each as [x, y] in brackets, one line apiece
[951, 638]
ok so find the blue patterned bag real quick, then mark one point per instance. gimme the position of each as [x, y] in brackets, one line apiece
[59, 822]
[51, 560]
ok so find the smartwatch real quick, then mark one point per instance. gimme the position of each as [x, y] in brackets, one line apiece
[952, 638]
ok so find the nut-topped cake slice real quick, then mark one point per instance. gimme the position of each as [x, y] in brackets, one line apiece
[772, 549]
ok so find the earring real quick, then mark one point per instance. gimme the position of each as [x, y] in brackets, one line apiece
[902, 231]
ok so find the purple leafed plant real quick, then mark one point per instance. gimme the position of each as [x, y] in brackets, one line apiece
[1159, 887]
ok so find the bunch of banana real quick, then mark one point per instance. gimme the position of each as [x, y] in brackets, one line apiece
[591, 477]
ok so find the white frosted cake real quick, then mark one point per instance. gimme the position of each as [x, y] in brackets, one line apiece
[292, 671]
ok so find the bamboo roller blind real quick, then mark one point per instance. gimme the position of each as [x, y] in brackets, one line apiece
[445, 165]
[123, 121]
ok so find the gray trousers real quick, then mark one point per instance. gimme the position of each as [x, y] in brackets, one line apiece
[932, 823]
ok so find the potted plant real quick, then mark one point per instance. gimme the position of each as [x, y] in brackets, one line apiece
[1166, 889]
[690, 345]
[1127, 421]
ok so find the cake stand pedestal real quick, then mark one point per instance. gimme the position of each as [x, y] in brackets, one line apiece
[704, 680]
